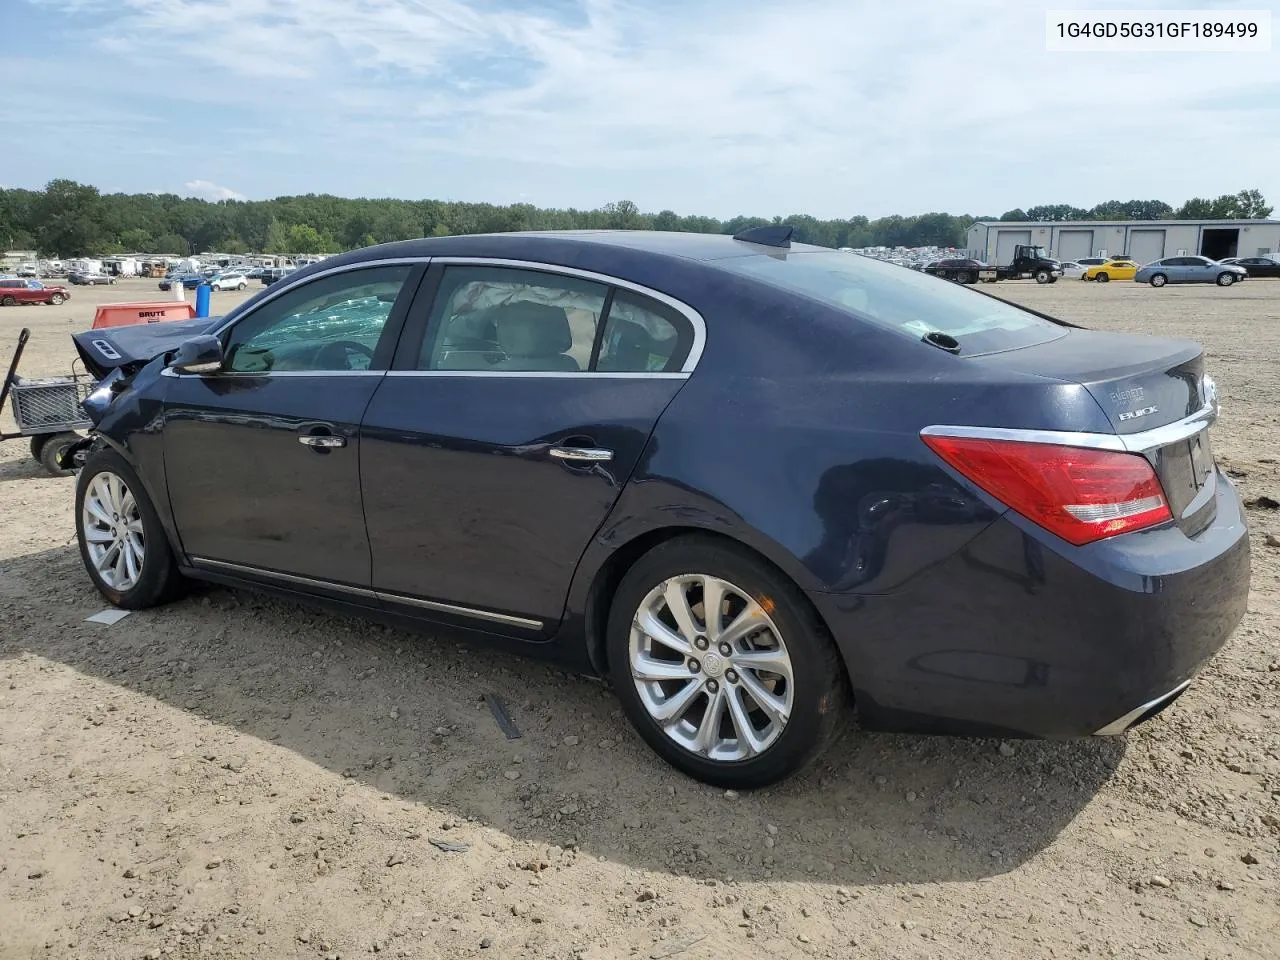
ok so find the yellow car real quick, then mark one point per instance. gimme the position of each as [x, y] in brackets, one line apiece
[1117, 269]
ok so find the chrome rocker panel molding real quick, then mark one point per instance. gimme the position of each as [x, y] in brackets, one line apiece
[363, 593]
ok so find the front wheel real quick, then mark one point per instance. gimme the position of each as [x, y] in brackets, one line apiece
[1043, 276]
[1226, 279]
[1158, 280]
[122, 542]
[56, 299]
[1103, 278]
[239, 286]
[964, 276]
[721, 664]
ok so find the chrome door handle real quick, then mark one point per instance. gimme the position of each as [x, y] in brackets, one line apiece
[324, 441]
[586, 454]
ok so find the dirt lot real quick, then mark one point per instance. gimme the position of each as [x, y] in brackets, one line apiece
[238, 777]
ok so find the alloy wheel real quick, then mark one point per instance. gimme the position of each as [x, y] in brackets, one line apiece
[711, 667]
[113, 534]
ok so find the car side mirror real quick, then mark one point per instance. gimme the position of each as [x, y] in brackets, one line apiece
[198, 355]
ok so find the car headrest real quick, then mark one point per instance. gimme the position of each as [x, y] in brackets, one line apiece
[528, 329]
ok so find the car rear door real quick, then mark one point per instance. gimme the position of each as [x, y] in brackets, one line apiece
[517, 407]
[262, 458]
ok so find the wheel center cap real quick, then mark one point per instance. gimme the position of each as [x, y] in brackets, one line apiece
[713, 665]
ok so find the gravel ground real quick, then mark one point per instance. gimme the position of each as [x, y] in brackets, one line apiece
[232, 776]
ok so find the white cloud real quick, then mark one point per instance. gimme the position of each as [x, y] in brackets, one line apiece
[715, 106]
[211, 191]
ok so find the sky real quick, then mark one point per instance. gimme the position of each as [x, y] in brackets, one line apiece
[717, 107]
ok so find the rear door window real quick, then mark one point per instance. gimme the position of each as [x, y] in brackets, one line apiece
[905, 301]
[643, 336]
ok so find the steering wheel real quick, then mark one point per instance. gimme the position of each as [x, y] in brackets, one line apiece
[338, 354]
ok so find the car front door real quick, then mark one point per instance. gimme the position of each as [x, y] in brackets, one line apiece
[262, 457]
[499, 442]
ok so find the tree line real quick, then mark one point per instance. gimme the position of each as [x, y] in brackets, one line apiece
[68, 219]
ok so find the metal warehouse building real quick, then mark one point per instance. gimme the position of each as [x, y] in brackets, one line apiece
[1142, 240]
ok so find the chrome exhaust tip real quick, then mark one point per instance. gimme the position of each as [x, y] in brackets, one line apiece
[1144, 712]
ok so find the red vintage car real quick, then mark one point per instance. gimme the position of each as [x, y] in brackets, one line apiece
[14, 291]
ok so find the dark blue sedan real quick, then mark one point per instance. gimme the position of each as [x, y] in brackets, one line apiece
[749, 482]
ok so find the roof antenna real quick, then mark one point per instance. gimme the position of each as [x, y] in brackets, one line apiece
[773, 235]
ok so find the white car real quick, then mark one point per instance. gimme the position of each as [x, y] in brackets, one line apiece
[1073, 269]
[229, 280]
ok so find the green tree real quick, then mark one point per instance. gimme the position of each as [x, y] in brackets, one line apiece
[137, 240]
[276, 240]
[67, 219]
[171, 243]
[304, 238]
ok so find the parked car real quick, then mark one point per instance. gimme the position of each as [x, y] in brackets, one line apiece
[962, 516]
[1264, 267]
[189, 281]
[1190, 270]
[1073, 270]
[83, 279]
[272, 274]
[1120, 268]
[23, 290]
[229, 280]
[959, 269]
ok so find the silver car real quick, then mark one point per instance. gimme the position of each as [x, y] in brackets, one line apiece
[1189, 270]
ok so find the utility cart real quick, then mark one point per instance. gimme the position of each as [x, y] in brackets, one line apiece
[46, 409]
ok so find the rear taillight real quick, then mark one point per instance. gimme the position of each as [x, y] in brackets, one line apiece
[1078, 493]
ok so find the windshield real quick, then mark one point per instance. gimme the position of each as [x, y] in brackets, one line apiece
[905, 301]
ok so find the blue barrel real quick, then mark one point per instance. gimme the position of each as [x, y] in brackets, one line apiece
[202, 300]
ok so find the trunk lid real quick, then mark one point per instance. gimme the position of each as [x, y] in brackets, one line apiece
[1140, 383]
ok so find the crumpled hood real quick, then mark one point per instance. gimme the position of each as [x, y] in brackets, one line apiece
[115, 347]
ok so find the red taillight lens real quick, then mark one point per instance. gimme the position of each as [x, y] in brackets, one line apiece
[1078, 493]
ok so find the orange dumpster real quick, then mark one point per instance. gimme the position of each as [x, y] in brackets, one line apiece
[127, 314]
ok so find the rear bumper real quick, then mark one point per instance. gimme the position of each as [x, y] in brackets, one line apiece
[1011, 637]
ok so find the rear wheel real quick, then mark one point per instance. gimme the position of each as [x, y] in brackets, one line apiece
[49, 447]
[1158, 280]
[122, 542]
[1103, 278]
[964, 276]
[1226, 279]
[722, 665]
[7, 301]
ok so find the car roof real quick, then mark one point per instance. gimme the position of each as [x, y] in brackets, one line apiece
[554, 244]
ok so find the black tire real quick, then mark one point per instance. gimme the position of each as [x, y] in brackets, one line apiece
[158, 580]
[1103, 278]
[965, 276]
[820, 696]
[56, 299]
[1043, 276]
[7, 301]
[50, 448]
[1158, 280]
[1226, 279]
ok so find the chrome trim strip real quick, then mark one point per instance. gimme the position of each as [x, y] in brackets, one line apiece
[362, 592]
[223, 374]
[461, 611]
[367, 594]
[693, 316]
[542, 374]
[1143, 442]
[1117, 727]
[286, 286]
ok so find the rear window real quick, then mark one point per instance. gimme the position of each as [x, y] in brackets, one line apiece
[905, 301]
